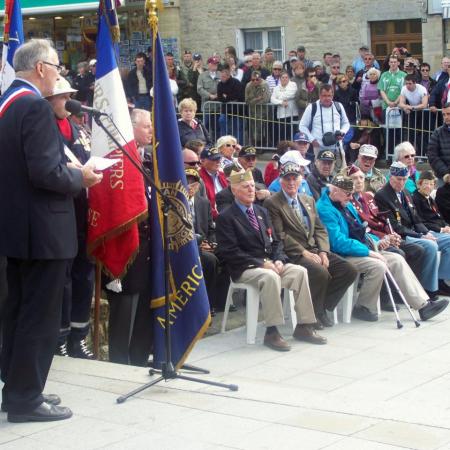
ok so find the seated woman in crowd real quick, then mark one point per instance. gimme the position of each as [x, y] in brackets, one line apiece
[347, 96]
[405, 153]
[227, 146]
[284, 97]
[188, 126]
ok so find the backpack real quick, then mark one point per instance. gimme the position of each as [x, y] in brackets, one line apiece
[314, 110]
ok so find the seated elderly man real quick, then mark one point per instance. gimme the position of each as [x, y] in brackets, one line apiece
[253, 254]
[321, 173]
[397, 201]
[305, 239]
[293, 156]
[349, 239]
[212, 177]
[204, 230]
[374, 178]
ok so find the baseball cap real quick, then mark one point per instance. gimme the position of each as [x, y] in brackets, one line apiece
[290, 168]
[247, 150]
[301, 137]
[368, 150]
[343, 182]
[92, 62]
[295, 157]
[293, 58]
[301, 48]
[213, 60]
[210, 153]
[326, 155]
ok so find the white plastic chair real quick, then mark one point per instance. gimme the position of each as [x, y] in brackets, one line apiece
[252, 308]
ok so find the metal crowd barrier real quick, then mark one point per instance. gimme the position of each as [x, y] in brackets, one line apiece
[415, 127]
[255, 125]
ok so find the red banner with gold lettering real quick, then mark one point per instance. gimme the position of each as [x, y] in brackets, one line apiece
[117, 203]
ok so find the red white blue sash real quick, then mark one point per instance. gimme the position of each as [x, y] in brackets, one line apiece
[12, 95]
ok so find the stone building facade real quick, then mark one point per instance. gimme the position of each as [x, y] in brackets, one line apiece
[334, 25]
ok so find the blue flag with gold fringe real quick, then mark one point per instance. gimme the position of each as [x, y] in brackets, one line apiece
[189, 306]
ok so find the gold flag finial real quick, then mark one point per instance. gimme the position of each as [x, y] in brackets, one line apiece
[152, 7]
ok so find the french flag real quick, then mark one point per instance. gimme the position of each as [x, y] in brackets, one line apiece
[118, 203]
[12, 40]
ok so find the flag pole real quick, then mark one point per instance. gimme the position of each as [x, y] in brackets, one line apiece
[168, 371]
[98, 289]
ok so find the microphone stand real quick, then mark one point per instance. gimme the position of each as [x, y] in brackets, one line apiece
[168, 371]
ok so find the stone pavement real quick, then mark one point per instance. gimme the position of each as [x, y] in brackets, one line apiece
[372, 387]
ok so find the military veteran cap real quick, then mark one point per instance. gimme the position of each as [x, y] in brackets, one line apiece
[247, 150]
[326, 155]
[290, 168]
[256, 75]
[343, 182]
[211, 153]
[368, 150]
[398, 169]
[189, 172]
[230, 168]
[239, 177]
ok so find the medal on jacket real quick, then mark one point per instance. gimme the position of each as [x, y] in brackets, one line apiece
[269, 233]
[397, 213]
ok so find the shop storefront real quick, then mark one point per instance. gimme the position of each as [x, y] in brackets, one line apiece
[72, 26]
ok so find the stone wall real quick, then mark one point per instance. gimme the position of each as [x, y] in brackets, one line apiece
[334, 25]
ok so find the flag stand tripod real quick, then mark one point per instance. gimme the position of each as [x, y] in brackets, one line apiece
[168, 371]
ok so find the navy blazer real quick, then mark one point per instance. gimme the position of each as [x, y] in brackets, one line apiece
[240, 246]
[36, 186]
[404, 221]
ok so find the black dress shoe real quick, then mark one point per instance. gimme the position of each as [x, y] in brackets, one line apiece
[45, 412]
[363, 313]
[51, 399]
[325, 320]
[444, 288]
[432, 309]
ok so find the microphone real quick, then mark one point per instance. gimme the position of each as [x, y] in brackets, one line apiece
[75, 107]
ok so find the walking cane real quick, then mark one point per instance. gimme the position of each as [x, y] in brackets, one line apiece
[400, 293]
[98, 276]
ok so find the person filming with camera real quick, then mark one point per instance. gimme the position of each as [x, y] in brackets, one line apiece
[325, 123]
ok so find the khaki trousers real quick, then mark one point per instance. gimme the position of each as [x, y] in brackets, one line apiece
[374, 271]
[294, 278]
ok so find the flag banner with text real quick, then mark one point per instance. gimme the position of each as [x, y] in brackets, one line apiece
[12, 40]
[189, 307]
[118, 202]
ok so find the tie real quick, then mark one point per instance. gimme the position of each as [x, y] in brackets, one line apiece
[252, 218]
[295, 209]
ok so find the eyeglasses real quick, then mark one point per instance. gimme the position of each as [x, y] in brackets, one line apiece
[413, 155]
[335, 67]
[343, 81]
[192, 163]
[276, 68]
[56, 66]
[230, 145]
[311, 76]
[424, 70]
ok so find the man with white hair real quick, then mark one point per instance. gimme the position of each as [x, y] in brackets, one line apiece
[38, 236]
[142, 128]
[254, 255]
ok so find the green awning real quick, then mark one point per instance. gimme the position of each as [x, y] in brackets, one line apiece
[53, 6]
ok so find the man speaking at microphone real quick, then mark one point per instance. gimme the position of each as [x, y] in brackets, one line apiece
[38, 236]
